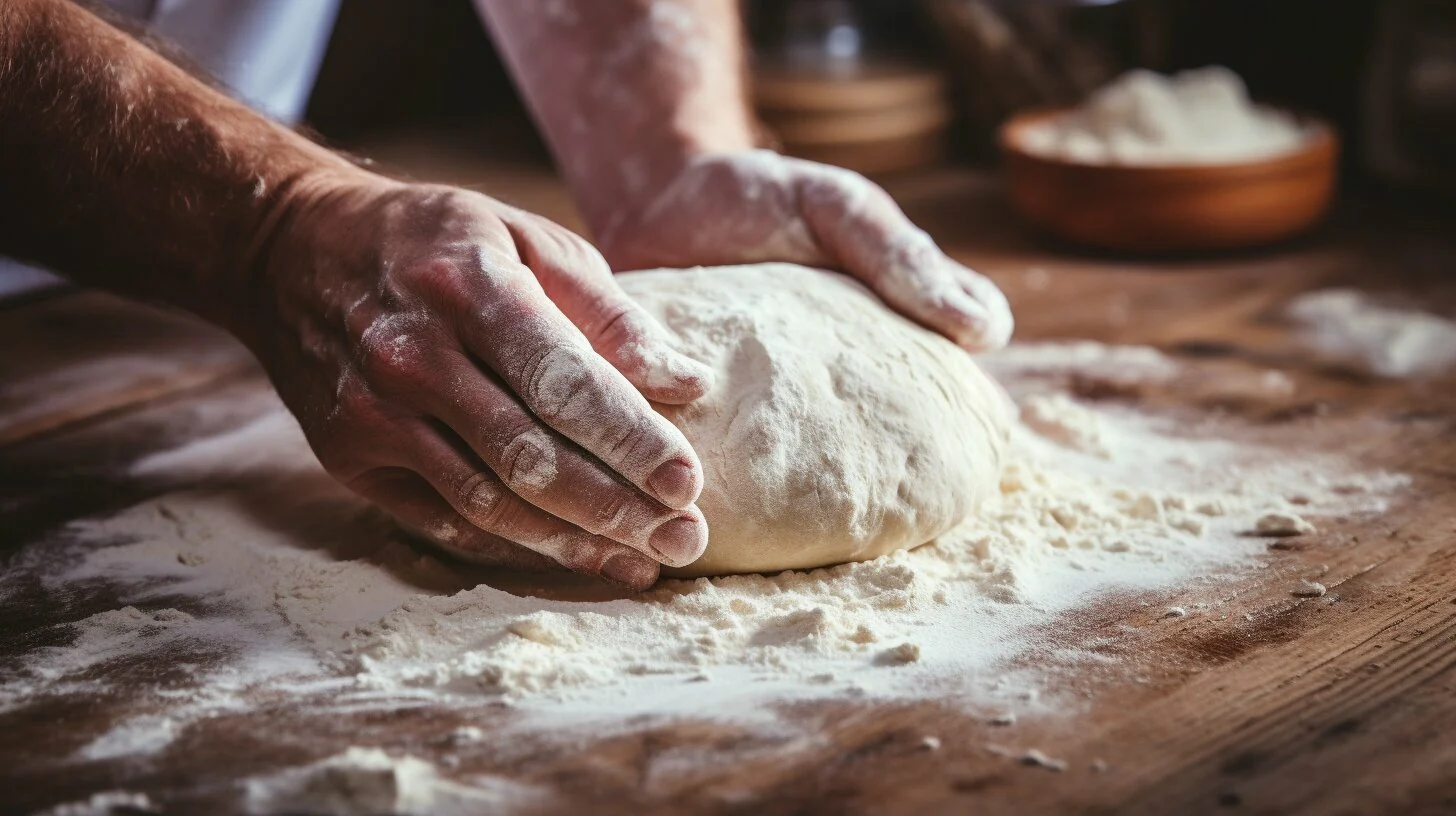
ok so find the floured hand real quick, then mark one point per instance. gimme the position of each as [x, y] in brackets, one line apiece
[476, 370]
[754, 205]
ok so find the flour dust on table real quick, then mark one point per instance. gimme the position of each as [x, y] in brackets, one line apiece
[288, 592]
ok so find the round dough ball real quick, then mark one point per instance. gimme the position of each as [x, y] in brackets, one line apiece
[836, 430]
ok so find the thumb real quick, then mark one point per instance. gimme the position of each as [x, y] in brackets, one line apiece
[863, 231]
[578, 280]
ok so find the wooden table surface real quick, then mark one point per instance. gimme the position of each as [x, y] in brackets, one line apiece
[1341, 704]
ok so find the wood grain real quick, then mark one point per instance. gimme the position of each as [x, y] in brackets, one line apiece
[76, 355]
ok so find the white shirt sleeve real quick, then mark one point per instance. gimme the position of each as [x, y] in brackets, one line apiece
[267, 52]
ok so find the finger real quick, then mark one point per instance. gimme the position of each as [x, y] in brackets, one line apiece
[482, 500]
[860, 227]
[577, 279]
[543, 468]
[417, 507]
[421, 369]
[548, 364]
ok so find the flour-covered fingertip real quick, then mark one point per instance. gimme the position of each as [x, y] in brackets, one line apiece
[692, 378]
[679, 541]
[676, 483]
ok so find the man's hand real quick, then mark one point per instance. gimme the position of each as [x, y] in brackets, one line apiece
[471, 367]
[475, 370]
[643, 102]
[754, 206]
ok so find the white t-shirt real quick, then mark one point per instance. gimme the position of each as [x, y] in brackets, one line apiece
[265, 52]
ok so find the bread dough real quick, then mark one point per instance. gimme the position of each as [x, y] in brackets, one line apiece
[836, 430]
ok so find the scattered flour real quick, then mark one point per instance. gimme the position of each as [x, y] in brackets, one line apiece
[135, 737]
[1310, 589]
[105, 803]
[1355, 329]
[1195, 117]
[303, 586]
[1281, 523]
[1121, 366]
[1036, 758]
[369, 782]
[1060, 419]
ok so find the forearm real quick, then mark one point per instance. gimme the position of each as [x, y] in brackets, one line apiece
[120, 170]
[627, 90]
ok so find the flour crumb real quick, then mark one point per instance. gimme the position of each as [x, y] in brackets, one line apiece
[1003, 719]
[1098, 766]
[1280, 524]
[930, 743]
[467, 734]
[1037, 759]
[106, 803]
[899, 655]
[1309, 589]
[1175, 612]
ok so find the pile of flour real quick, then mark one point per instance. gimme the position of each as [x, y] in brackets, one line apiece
[1203, 116]
[304, 588]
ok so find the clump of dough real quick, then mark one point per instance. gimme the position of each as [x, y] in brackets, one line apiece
[836, 430]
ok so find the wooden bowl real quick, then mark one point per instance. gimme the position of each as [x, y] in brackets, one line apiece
[1171, 208]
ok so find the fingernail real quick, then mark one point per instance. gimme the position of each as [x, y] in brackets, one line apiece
[675, 484]
[635, 571]
[680, 540]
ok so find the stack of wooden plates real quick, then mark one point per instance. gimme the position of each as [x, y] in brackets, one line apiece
[879, 118]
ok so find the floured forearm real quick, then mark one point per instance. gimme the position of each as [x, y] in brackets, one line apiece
[627, 90]
[120, 170]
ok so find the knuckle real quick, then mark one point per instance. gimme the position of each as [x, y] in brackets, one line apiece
[630, 443]
[556, 246]
[437, 279]
[484, 502]
[527, 461]
[582, 555]
[620, 326]
[612, 514]
[393, 358]
[584, 255]
[558, 383]
[355, 411]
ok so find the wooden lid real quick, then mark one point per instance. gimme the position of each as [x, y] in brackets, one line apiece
[876, 158]
[868, 87]
[854, 127]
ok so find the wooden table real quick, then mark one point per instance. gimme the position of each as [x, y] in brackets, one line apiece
[1341, 704]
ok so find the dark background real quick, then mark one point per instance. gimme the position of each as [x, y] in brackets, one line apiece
[393, 65]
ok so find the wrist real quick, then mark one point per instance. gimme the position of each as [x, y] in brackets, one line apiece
[618, 186]
[291, 230]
